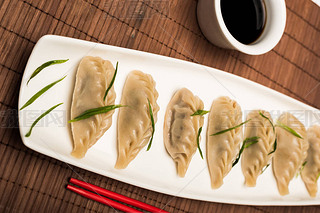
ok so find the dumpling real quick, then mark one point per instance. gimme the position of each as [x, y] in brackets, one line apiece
[291, 151]
[181, 129]
[255, 157]
[92, 79]
[311, 169]
[222, 149]
[134, 122]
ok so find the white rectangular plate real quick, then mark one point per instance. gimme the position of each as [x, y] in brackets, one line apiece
[154, 169]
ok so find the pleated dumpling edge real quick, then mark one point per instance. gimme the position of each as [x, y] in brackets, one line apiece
[92, 79]
[134, 127]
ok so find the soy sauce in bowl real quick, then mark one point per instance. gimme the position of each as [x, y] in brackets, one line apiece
[245, 19]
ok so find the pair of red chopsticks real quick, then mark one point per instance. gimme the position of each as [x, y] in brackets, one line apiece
[99, 194]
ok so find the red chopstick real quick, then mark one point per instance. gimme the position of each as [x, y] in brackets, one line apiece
[101, 199]
[113, 195]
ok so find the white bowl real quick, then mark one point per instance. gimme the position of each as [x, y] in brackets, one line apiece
[213, 27]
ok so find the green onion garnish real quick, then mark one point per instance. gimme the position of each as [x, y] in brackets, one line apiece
[274, 147]
[198, 142]
[264, 169]
[226, 130]
[268, 120]
[303, 165]
[275, 141]
[152, 123]
[246, 143]
[111, 83]
[301, 168]
[91, 112]
[200, 112]
[39, 118]
[317, 177]
[285, 127]
[41, 67]
[40, 92]
[250, 141]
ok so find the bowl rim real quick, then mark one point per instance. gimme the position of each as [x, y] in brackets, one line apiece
[271, 35]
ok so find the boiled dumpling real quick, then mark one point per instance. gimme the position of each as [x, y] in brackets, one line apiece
[134, 122]
[92, 79]
[181, 129]
[311, 170]
[222, 149]
[255, 157]
[291, 151]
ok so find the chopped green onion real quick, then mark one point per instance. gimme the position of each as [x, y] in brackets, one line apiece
[246, 143]
[274, 147]
[264, 169]
[268, 120]
[40, 92]
[39, 118]
[91, 112]
[301, 168]
[111, 83]
[200, 112]
[41, 67]
[317, 177]
[252, 141]
[198, 142]
[275, 141]
[226, 130]
[285, 127]
[152, 123]
[303, 165]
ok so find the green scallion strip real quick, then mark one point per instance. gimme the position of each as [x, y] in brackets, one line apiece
[246, 143]
[200, 112]
[39, 118]
[111, 83]
[303, 165]
[275, 141]
[40, 92]
[226, 130]
[268, 120]
[41, 67]
[198, 142]
[152, 123]
[317, 177]
[251, 141]
[91, 112]
[264, 169]
[274, 147]
[285, 127]
[301, 168]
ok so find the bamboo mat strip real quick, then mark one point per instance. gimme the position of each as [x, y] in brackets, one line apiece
[193, 60]
[33, 182]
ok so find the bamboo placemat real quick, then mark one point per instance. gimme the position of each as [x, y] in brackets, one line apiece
[32, 182]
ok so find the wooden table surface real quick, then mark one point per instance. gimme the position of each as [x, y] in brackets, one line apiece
[32, 182]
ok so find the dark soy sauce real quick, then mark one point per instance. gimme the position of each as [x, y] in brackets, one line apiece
[245, 19]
